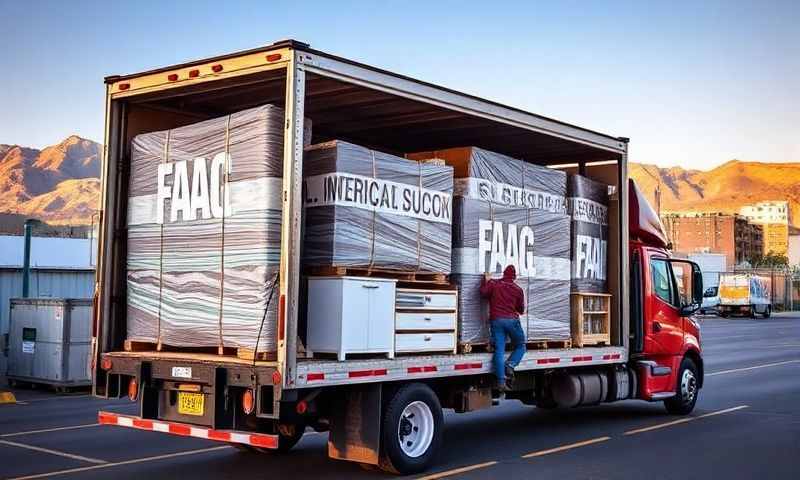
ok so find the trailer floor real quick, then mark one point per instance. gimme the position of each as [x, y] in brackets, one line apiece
[746, 425]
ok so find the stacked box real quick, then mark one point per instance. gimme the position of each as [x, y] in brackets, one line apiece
[507, 211]
[204, 223]
[588, 207]
[368, 209]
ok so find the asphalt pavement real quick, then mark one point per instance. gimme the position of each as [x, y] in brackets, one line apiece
[746, 425]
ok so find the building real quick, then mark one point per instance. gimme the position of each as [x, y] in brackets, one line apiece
[794, 246]
[731, 235]
[775, 211]
[60, 268]
[775, 218]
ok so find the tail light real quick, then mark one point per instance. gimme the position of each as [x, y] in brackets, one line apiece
[302, 407]
[133, 389]
[106, 364]
[276, 378]
[248, 401]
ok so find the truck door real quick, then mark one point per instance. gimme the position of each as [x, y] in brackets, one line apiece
[664, 326]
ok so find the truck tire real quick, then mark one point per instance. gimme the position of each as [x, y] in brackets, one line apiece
[411, 430]
[686, 390]
[767, 311]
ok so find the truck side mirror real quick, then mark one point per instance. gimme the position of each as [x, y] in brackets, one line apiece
[697, 285]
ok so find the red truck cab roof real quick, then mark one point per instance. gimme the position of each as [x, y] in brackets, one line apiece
[643, 222]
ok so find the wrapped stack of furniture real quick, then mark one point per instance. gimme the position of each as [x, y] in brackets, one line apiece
[591, 304]
[509, 212]
[204, 223]
[369, 210]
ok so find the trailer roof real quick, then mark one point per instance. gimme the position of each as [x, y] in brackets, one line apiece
[512, 116]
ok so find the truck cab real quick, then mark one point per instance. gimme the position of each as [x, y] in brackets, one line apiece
[665, 293]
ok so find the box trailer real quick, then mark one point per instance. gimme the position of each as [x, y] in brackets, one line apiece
[745, 294]
[383, 409]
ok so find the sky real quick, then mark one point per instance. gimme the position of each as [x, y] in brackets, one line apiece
[693, 84]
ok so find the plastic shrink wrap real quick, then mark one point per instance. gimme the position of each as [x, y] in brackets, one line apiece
[367, 209]
[507, 211]
[588, 207]
[204, 223]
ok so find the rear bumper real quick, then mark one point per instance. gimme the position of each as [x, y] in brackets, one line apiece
[230, 436]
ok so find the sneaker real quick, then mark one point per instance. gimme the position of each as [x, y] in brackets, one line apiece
[510, 372]
[501, 386]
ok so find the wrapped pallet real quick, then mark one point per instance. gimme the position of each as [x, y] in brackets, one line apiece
[588, 207]
[507, 211]
[370, 210]
[204, 222]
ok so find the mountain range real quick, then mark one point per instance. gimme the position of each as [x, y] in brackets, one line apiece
[60, 183]
[725, 188]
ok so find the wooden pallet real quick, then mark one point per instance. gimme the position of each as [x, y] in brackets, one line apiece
[547, 344]
[243, 353]
[431, 278]
[475, 347]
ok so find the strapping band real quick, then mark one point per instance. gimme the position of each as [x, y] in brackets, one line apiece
[161, 252]
[374, 220]
[225, 174]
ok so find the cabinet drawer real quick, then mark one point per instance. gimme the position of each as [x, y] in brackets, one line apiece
[432, 300]
[425, 342]
[425, 321]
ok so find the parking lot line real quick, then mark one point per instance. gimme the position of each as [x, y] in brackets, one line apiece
[46, 430]
[53, 452]
[684, 420]
[116, 464]
[456, 471]
[734, 370]
[565, 447]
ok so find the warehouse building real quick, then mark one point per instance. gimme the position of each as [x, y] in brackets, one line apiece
[60, 268]
[729, 234]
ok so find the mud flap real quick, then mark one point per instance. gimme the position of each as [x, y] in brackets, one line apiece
[355, 431]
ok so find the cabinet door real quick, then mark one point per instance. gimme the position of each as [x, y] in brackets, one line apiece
[355, 315]
[380, 326]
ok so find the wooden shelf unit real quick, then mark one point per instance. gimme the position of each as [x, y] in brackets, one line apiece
[591, 319]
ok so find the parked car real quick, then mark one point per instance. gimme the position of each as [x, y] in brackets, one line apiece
[710, 300]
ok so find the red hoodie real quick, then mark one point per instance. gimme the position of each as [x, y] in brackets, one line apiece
[505, 297]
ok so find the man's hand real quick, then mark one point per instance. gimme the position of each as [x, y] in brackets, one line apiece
[487, 276]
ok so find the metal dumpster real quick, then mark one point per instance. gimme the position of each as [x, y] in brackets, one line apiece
[49, 341]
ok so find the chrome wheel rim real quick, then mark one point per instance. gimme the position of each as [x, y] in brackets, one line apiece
[415, 429]
[688, 386]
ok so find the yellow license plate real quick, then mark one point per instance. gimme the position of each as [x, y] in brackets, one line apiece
[190, 403]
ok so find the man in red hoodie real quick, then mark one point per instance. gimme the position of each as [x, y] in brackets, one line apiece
[506, 302]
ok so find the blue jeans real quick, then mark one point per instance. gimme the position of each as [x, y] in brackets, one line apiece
[500, 328]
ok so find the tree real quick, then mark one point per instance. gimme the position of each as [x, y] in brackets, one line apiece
[770, 260]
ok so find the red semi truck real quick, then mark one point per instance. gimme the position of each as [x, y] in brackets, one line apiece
[381, 411]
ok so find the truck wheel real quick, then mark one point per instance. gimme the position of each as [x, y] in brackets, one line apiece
[767, 311]
[411, 430]
[686, 393]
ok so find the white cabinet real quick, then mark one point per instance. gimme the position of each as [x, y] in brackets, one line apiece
[351, 315]
[425, 321]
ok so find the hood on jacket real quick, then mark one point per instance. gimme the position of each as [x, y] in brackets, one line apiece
[510, 273]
